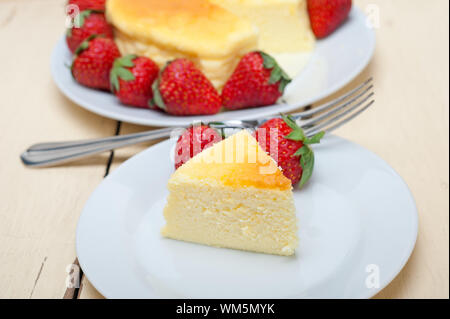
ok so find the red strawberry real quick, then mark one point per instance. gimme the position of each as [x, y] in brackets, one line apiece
[292, 151]
[89, 22]
[182, 89]
[89, 4]
[256, 81]
[132, 78]
[327, 15]
[194, 140]
[93, 61]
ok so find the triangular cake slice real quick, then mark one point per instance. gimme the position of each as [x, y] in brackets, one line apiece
[232, 195]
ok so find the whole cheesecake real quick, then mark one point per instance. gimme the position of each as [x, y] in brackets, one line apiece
[214, 34]
[232, 195]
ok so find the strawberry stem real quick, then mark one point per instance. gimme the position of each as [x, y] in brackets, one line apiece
[157, 98]
[119, 70]
[277, 74]
[305, 152]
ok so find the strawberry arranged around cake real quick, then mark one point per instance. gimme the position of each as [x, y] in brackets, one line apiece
[198, 56]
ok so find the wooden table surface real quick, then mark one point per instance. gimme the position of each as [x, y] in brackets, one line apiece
[39, 208]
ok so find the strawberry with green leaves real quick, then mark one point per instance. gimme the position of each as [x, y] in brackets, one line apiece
[182, 89]
[131, 80]
[89, 22]
[258, 80]
[293, 152]
[93, 61]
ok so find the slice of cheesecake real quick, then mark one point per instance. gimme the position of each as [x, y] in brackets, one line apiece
[232, 195]
[209, 35]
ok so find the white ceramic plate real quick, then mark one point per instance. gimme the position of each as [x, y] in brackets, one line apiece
[335, 61]
[357, 225]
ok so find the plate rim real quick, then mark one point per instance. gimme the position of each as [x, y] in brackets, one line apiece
[174, 121]
[370, 292]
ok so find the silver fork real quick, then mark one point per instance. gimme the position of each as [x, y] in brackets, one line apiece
[326, 117]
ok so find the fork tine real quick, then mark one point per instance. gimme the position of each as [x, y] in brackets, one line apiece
[339, 115]
[316, 129]
[308, 123]
[331, 104]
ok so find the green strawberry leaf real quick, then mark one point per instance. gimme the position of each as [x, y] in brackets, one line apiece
[285, 80]
[282, 85]
[157, 98]
[301, 151]
[125, 74]
[126, 61]
[289, 120]
[216, 124]
[268, 61]
[81, 17]
[284, 75]
[296, 135]
[114, 81]
[307, 163]
[85, 44]
[79, 20]
[305, 152]
[315, 139]
[277, 74]
[119, 70]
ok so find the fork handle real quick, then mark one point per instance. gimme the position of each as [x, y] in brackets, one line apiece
[46, 154]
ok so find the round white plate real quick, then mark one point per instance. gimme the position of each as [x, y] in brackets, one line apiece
[357, 228]
[335, 61]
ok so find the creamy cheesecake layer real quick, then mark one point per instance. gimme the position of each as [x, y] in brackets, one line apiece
[253, 219]
[197, 29]
[232, 195]
[283, 24]
[218, 70]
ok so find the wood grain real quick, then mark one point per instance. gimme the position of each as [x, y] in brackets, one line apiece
[39, 207]
[408, 127]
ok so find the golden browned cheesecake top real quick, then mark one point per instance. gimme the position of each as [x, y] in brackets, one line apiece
[237, 161]
[197, 27]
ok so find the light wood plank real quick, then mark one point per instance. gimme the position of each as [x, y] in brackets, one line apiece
[408, 127]
[88, 291]
[39, 208]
